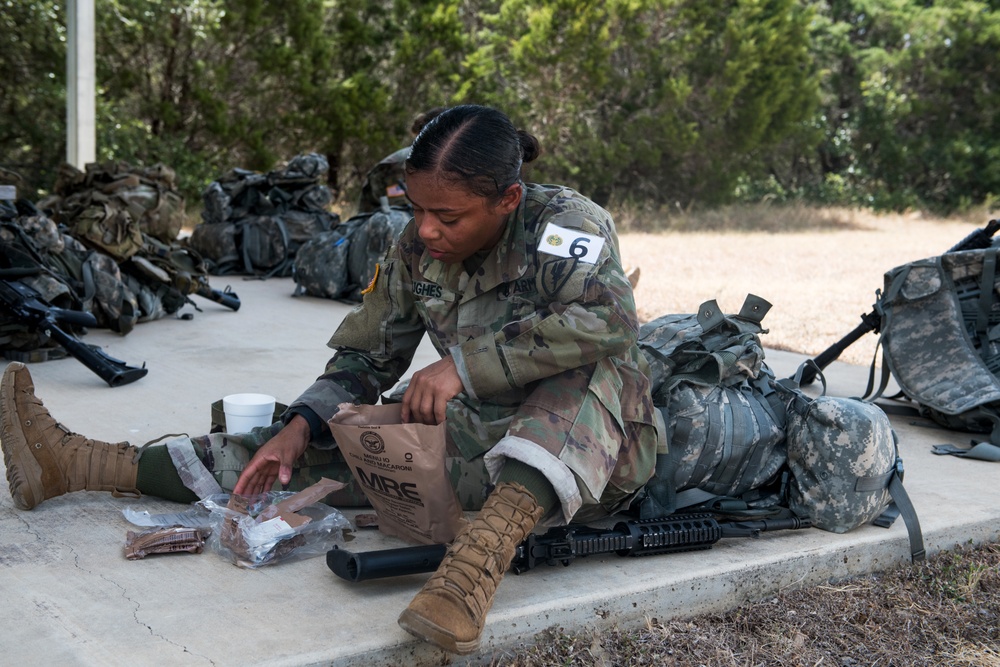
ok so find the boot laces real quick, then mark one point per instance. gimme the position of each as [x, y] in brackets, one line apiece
[485, 548]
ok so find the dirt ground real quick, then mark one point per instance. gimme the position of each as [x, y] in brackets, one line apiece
[945, 611]
[819, 281]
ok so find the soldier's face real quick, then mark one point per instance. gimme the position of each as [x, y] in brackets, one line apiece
[452, 222]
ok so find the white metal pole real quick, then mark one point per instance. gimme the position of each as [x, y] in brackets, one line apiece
[81, 114]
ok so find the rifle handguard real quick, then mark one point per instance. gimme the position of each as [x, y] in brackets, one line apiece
[644, 537]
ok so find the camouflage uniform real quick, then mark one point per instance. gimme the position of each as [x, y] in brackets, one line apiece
[545, 346]
[386, 179]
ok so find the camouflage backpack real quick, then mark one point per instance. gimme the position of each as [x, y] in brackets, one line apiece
[740, 441]
[111, 204]
[72, 276]
[254, 223]
[725, 423]
[376, 232]
[320, 267]
[940, 341]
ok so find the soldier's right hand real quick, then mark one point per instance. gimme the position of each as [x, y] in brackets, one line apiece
[275, 459]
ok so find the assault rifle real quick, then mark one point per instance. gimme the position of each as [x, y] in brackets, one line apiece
[181, 268]
[977, 240]
[638, 537]
[188, 284]
[25, 305]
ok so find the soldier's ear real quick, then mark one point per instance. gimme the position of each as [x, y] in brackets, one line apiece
[511, 198]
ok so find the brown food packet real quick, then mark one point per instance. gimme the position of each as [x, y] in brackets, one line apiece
[401, 468]
[160, 540]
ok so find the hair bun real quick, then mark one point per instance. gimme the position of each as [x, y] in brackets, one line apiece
[530, 148]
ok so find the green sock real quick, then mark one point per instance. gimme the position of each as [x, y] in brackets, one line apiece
[533, 480]
[158, 477]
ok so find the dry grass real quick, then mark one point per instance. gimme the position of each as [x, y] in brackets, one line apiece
[820, 272]
[944, 611]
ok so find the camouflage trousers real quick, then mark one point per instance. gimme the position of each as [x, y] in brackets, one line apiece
[213, 463]
[569, 426]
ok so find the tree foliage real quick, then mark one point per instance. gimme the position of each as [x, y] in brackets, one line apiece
[885, 103]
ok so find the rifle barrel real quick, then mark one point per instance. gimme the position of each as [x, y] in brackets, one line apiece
[365, 565]
[227, 298]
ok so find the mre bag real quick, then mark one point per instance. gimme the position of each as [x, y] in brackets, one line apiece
[401, 468]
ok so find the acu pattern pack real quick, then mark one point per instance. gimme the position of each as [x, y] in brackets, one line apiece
[340, 263]
[940, 341]
[738, 438]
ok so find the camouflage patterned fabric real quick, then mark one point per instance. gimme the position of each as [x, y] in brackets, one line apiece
[74, 277]
[523, 319]
[105, 225]
[941, 337]
[375, 234]
[148, 194]
[320, 266]
[725, 421]
[842, 453]
[107, 294]
[255, 223]
[386, 179]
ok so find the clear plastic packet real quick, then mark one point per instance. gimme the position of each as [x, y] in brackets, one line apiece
[251, 533]
[196, 517]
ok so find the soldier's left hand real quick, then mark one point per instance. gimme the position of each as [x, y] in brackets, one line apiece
[429, 391]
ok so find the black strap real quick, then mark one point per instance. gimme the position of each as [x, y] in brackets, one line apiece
[900, 506]
[981, 451]
[909, 514]
[986, 298]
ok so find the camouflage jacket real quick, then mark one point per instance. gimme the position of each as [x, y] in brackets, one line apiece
[387, 179]
[526, 314]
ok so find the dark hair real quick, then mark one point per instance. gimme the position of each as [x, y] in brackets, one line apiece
[474, 145]
[420, 121]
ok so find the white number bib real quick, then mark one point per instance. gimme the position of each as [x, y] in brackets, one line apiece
[571, 243]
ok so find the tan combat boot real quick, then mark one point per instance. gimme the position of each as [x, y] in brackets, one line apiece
[44, 459]
[450, 610]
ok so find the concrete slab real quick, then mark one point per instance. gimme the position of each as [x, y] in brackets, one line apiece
[71, 598]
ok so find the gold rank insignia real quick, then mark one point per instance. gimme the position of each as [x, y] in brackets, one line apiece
[371, 285]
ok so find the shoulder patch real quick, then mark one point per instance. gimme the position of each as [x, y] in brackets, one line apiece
[555, 274]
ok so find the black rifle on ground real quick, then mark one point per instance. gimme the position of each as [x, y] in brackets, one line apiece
[638, 537]
[188, 284]
[25, 305]
[977, 240]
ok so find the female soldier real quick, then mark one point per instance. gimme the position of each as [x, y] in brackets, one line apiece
[522, 292]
